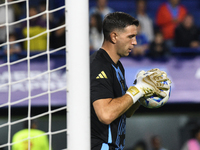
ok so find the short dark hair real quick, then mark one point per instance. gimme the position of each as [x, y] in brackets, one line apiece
[26, 124]
[12, 35]
[117, 20]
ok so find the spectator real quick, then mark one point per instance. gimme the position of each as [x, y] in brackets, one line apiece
[38, 140]
[42, 8]
[96, 35]
[193, 143]
[158, 49]
[156, 143]
[14, 48]
[57, 37]
[140, 145]
[169, 15]
[145, 21]
[187, 34]
[54, 4]
[11, 18]
[101, 8]
[17, 8]
[142, 44]
[37, 26]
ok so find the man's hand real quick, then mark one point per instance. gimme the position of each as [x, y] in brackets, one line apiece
[148, 83]
[161, 78]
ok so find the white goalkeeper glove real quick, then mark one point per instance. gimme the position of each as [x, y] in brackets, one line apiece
[161, 78]
[147, 84]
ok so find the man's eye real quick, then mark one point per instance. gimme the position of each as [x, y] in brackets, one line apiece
[131, 36]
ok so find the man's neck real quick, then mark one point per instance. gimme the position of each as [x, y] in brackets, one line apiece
[111, 52]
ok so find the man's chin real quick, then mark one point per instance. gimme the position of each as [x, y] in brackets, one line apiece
[125, 55]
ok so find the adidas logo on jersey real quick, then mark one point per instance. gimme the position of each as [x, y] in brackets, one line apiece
[102, 75]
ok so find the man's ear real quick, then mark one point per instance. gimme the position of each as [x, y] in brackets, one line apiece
[113, 37]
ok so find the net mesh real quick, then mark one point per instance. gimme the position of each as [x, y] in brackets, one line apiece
[32, 69]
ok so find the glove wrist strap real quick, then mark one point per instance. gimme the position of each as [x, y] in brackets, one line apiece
[135, 93]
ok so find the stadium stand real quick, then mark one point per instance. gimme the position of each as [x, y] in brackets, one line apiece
[128, 6]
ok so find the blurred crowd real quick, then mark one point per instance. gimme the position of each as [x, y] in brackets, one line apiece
[173, 26]
[34, 24]
[155, 141]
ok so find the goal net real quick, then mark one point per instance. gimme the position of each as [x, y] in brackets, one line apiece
[40, 77]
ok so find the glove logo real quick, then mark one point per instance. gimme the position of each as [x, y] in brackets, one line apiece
[133, 90]
[102, 75]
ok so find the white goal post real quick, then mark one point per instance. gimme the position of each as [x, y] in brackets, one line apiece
[78, 101]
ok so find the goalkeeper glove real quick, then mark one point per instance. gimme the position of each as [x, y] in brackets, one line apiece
[147, 84]
[161, 78]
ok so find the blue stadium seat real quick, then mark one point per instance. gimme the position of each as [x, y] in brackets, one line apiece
[153, 5]
[92, 3]
[184, 50]
[125, 6]
[192, 5]
[128, 6]
[196, 15]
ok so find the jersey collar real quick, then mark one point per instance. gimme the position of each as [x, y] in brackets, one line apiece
[108, 57]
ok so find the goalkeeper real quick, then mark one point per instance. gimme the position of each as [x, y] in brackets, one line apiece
[111, 100]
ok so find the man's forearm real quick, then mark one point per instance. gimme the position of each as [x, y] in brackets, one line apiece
[132, 109]
[108, 110]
